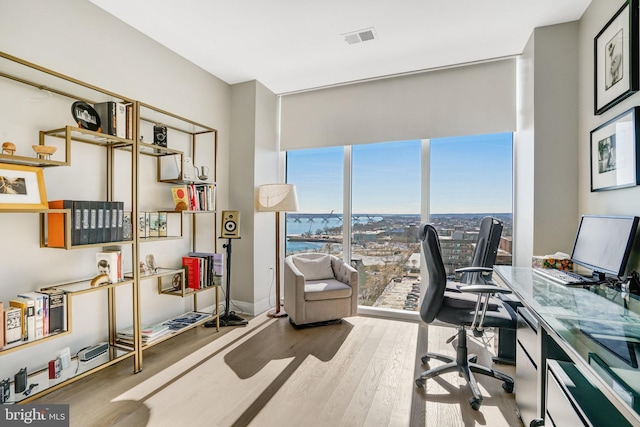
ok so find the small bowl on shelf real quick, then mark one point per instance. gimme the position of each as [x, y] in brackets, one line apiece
[44, 151]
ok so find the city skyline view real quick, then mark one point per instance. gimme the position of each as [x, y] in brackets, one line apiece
[471, 174]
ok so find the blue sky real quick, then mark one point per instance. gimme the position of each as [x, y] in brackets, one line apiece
[468, 175]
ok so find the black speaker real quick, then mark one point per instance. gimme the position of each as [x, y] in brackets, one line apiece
[230, 225]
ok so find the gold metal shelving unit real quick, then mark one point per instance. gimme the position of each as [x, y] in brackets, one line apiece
[30, 74]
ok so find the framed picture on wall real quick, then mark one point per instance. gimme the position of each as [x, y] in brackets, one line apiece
[614, 152]
[22, 188]
[616, 58]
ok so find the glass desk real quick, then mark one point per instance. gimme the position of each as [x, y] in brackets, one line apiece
[595, 326]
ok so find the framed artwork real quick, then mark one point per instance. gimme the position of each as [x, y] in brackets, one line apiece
[614, 152]
[22, 188]
[616, 58]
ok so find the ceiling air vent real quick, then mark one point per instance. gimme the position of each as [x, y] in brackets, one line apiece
[360, 36]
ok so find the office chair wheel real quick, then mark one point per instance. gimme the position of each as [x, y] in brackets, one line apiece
[475, 403]
[507, 386]
[537, 422]
[425, 359]
[420, 382]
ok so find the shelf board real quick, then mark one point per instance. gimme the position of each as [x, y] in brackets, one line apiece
[91, 245]
[160, 272]
[157, 150]
[19, 345]
[187, 291]
[30, 161]
[46, 385]
[159, 239]
[89, 137]
[84, 286]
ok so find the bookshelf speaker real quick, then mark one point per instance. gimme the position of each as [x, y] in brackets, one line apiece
[230, 225]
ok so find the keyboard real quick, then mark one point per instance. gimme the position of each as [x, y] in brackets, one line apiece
[561, 276]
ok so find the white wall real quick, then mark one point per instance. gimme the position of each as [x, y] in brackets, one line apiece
[624, 201]
[76, 38]
[546, 167]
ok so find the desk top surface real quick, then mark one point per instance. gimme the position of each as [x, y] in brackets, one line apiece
[597, 324]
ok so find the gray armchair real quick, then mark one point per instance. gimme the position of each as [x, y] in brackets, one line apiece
[319, 289]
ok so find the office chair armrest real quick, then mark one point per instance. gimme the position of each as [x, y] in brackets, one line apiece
[474, 270]
[484, 289]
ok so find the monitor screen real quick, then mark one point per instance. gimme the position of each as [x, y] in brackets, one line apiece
[603, 243]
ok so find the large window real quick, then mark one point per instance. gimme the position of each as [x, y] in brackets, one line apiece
[318, 175]
[389, 194]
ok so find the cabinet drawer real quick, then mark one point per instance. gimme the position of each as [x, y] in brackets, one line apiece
[527, 335]
[526, 387]
[560, 410]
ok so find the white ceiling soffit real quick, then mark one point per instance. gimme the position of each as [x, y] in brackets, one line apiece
[292, 45]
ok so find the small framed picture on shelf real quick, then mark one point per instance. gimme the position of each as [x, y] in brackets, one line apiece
[614, 152]
[616, 58]
[22, 188]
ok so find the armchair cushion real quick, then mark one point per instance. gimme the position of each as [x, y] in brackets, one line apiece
[315, 268]
[317, 290]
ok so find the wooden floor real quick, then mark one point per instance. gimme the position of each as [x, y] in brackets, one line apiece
[358, 373]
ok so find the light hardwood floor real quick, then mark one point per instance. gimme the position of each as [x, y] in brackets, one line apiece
[358, 373]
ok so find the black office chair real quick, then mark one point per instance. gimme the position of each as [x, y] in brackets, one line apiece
[485, 252]
[446, 308]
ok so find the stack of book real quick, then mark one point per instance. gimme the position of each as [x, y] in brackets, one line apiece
[149, 333]
[91, 222]
[33, 315]
[194, 197]
[115, 118]
[203, 269]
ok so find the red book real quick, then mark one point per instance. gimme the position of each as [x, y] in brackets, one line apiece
[192, 267]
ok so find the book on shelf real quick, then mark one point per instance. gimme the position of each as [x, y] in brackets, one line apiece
[185, 320]
[110, 263]
[107, 222]
[85, 228]
[192, 270]
[12, 324]
[120, 231]
[113, 206]
[37, 299]
[93, 222]
[143, 224]
[149, 333]
[100, 222]
[153, 224]
[57, 309]
[27, 307]
[162, 224]
[127, 231]
[180, 197]
[214, 271]
[4, 326]
[108, 116]
[122, 124]
[56, 224]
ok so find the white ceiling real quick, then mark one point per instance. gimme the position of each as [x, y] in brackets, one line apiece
[292, 45]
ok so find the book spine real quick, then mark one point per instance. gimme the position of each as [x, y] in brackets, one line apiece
[121, 120]
[107, 222]
[45, 305]
[4, 326]
[56, 230]
[120, 206]
[36, 306]
[57, 315]
[13, 325]
[153, 224]
[100, 222]
[93, 222]
[85, 227]
[114, 222]
[162, 224]
[192, 265]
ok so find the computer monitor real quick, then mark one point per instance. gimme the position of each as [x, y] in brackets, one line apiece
[603, 244]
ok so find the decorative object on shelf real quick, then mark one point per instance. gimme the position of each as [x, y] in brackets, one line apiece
[188, 170]
[22, 188]
[180, 197]
[614, 152]
[99, 280]
[176, 282]
[85, 116]
[616, 58]
[143, 268]
[202, 173]
[151, 263]
[160, 136]
[277, 198]
[44, 151]
[9, 148]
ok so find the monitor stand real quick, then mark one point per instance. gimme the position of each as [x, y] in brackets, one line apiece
[229, 318]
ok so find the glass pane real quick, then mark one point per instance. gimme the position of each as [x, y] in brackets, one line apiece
[318, 175]
[386, 214]
[471, 177]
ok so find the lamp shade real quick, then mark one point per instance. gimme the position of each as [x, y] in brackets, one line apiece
[277, 198]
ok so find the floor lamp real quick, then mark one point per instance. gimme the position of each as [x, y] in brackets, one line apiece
[277, 198]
